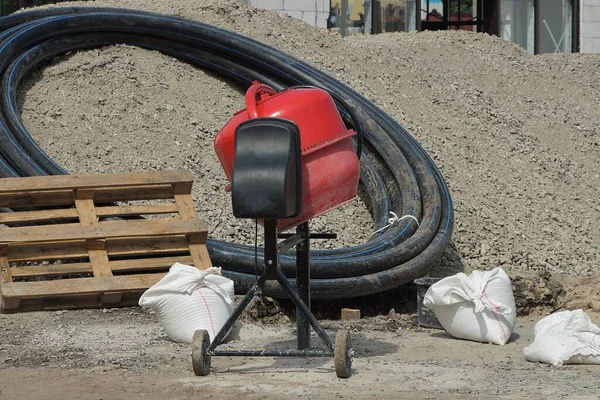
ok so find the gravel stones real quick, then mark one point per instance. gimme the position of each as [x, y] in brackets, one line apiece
[516, 136]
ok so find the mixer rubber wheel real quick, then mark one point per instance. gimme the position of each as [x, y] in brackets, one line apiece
[343, 354]
[200, 354]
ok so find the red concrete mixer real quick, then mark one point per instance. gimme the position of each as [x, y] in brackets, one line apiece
[330, 165]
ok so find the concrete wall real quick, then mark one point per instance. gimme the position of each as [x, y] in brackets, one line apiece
[589, 41]
[313, 12]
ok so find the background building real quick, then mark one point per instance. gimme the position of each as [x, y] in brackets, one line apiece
[539, 26]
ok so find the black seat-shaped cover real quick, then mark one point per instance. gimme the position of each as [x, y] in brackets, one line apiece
[266, 178]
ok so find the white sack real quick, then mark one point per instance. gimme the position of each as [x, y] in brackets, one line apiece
[478, 307]
[188, 299]
[566, 337]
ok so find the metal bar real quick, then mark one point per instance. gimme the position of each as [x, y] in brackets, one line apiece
[575, 14]
[273, 353]
[238, 311]
[446, 16]
[290, 242]
[325, 235]
[271, 253]
[303, 285]
[536, 27]
[304, 309]
[368, 8]
[343, 20]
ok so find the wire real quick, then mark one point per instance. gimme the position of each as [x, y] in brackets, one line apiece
[256, 250]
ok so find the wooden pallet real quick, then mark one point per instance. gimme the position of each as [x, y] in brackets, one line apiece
[63, 248]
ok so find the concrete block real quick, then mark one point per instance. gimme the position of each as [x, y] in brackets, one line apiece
[585, 45]
[590, 14]
[300, 5]
[295, 14]
[590, 45]
[590, 3]
[268, 4]
[350, 314]
[590, 30]
[596, 46]
[310, 17]
[322, 20]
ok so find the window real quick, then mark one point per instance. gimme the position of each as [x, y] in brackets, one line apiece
[517, 23]
[554, 26]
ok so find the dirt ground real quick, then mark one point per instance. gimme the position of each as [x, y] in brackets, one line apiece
[124, 354]
[516, 136]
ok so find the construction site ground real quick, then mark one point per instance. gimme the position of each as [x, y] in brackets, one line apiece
[516, 136]
[124, 354]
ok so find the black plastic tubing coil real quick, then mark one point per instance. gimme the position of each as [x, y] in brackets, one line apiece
[396, 172]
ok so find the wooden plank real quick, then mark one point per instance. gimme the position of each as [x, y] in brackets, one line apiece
[6, 277]
[74, 249]
[84, 202]
[30, 271]
[197, 246]
[132, 194]
[65, 197]
[96, 248]
[35, 199]
[350, 314]
[71, 213]
[136, 246]
[185, 205]
[128, 299]
[106, 229]
[187, 211]
[65, 287]
[4, 265]
[123, 211]
[60, 182]
[122, 266]
[49, 251]
[37, 216]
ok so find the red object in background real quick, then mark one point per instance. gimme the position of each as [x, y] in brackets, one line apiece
[330, 167]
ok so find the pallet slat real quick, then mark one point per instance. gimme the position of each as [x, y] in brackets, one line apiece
[64, 287]
[71, 213]
[101, 195]
[106, 229]
[83, 181]
[75, 249]
[128, 299]
[133, 265]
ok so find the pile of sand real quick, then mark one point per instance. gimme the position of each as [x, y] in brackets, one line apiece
[516, 136]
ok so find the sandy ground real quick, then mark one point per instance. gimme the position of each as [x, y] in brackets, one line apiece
[124, 354]
[516, 136]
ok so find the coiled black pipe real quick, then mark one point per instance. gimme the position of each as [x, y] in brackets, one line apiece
[396, 172]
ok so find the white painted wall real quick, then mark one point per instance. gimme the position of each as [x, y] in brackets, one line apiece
[313, 12]
[589, 40]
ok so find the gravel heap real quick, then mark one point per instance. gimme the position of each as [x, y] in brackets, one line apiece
[516, 136]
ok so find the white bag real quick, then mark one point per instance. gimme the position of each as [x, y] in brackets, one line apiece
[478, 307]
[188, 299]
[566, 337]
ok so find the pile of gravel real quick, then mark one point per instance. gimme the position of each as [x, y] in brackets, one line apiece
[516, 136]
